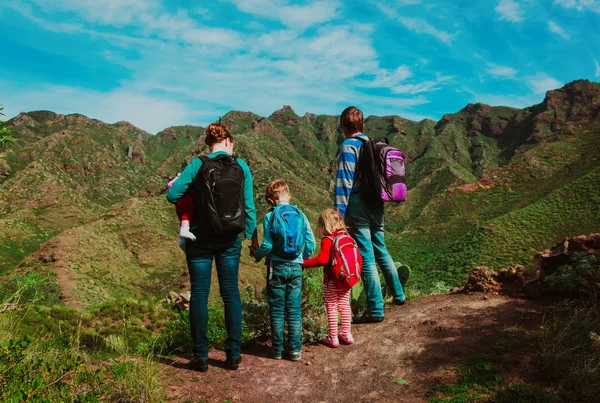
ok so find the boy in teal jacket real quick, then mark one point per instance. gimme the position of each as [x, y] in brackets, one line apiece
[287, 240]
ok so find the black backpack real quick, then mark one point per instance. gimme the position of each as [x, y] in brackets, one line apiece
[219, 196]
[381, 169]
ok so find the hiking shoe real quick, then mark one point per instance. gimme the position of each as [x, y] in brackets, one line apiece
[332, 342]
[199, 365]
[295, 355]
[367, 319]
[399, 302]
[347, 339]
[233, 364]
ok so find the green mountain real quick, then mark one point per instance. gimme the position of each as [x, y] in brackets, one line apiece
[84, 201]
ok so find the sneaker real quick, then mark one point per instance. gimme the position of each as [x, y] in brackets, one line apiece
[233, 364]
[399, 302]
[295, 355]
[332, 342]
[199, 365]
[277, 356]
[367, 319]
[347, 339]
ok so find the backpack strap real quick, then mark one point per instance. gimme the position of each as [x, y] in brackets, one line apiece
[377, 140]
[273, 218]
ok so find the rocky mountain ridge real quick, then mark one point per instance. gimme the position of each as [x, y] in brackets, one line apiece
[488, 186]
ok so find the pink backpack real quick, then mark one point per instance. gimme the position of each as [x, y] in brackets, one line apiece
[346, 261]
[381, 168]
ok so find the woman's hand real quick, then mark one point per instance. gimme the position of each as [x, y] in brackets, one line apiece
[253, 248]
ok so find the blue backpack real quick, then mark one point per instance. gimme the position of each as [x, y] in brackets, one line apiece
[287, 231]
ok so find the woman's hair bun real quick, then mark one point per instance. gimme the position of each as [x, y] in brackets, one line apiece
[216, 133]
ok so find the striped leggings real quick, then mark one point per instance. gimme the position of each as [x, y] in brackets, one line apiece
[337, 301]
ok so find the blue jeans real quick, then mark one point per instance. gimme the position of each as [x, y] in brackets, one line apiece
[284, 293]
[200, 256]
[365, 224]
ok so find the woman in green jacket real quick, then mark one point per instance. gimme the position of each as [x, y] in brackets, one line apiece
[225, 250]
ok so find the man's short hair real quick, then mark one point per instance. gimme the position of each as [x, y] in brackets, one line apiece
[352, 120]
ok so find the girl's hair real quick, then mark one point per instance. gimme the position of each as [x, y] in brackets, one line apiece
[330, 221]
[216, 133]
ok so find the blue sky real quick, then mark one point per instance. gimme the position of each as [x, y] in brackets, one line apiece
[158, 63]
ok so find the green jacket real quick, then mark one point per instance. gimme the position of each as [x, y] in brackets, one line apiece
[188, 176]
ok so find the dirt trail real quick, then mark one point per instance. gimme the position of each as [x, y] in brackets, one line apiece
[418, 342]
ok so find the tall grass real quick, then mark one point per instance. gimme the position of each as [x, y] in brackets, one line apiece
[56, 365]
[569, 355]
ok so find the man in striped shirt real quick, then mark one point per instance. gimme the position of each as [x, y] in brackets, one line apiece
[364, 221]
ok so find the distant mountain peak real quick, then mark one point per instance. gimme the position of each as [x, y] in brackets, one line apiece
[286, 110]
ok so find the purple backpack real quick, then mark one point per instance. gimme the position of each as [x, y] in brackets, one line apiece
[381, 169]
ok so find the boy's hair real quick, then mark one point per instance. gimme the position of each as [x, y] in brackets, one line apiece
[330, 221]
[351, 120]
[275, 189]
[216, 133]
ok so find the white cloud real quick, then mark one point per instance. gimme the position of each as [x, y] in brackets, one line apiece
[542, 82]
[386, 78]
[597, 68]
[422, 26]
[114, 12]
[255, 26]
[181, 66]
[580, 5]
[498, 71]
[146, 111]
[390, 9]
[423, 86]
[203, 12]
[402, 3]
[510, 10]
[554, 27]
[291, 15]
[146, 17]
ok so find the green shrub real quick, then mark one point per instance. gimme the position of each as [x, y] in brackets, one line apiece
[313, 307]
[580, 278]
[137, 380]
[6, 138]
[30, 288]
[256, 310]
[175, 337]
[43, 373]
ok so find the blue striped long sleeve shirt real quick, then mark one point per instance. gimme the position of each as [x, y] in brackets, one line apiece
[346, 181]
